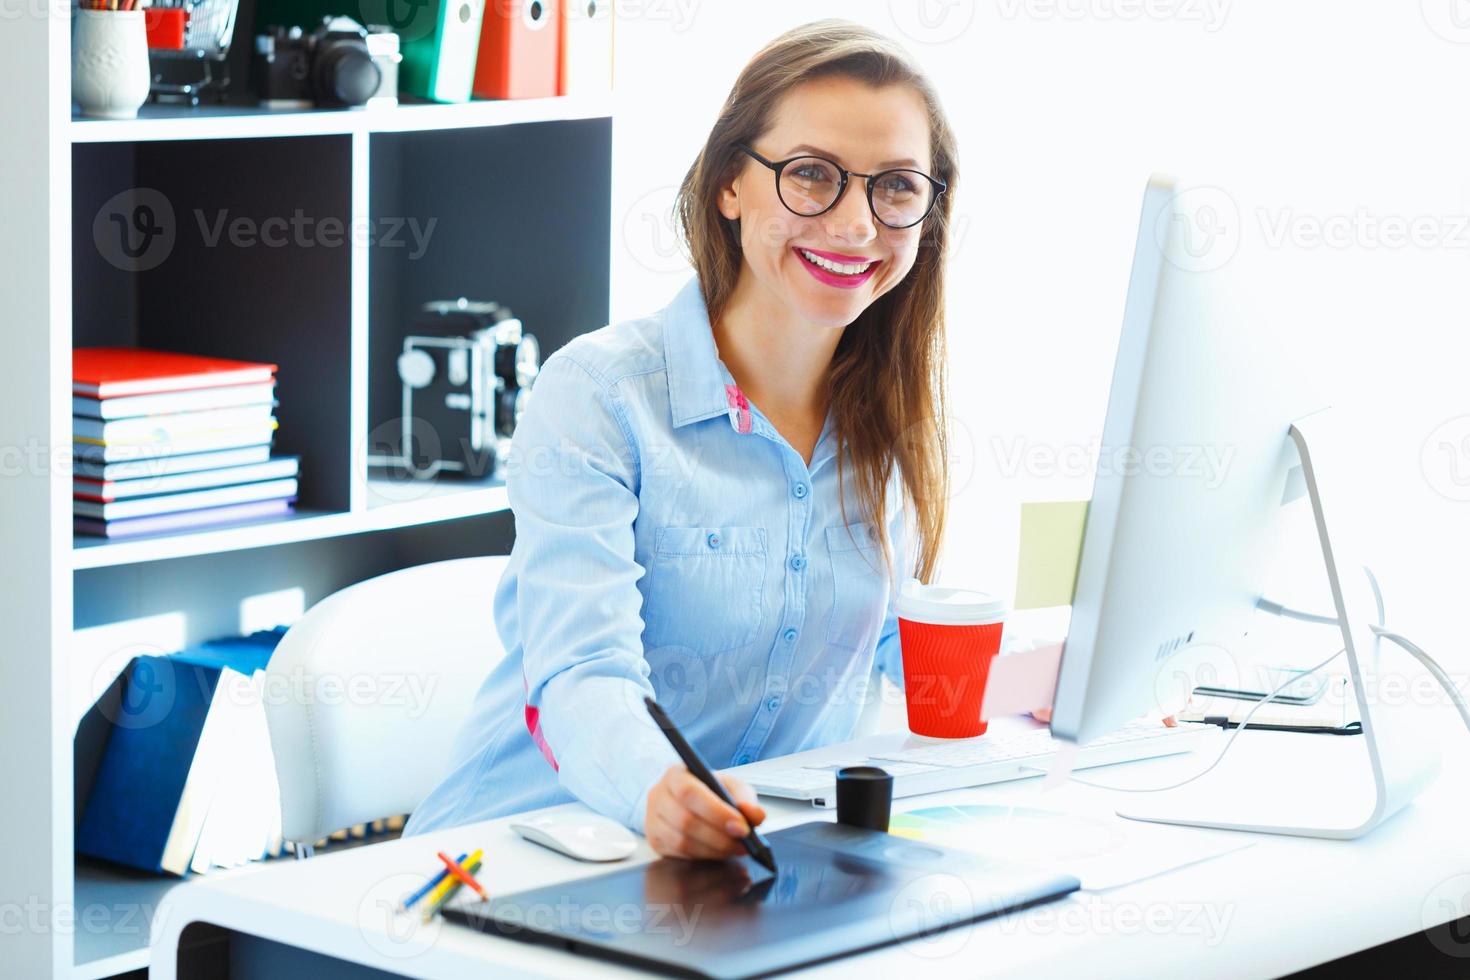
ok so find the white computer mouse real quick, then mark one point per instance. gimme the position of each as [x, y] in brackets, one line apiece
[584, 836]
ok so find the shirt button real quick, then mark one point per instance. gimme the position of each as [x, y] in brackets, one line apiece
[798, 562]
[773, 703]
[713, 540]
[744, 760]
[790, 636]
[800, 491]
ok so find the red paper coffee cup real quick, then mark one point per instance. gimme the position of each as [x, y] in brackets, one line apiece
[948, 638]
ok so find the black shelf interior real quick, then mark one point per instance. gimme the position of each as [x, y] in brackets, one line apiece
[248, 257]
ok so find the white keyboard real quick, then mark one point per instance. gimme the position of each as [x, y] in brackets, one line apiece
[940, 766]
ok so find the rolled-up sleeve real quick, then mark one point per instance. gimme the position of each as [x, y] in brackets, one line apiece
[573, 484]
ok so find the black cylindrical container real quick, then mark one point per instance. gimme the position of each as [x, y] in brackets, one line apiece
[864, 797]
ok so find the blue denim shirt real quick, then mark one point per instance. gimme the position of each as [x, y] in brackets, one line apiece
[669, 542]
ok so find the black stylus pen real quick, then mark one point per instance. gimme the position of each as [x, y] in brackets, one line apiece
[754, 842]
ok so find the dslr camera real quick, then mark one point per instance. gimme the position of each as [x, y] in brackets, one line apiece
[341, 63]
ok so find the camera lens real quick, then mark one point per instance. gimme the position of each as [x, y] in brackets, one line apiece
[345, 74]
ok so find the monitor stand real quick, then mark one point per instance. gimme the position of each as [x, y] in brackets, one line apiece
[1322, 792]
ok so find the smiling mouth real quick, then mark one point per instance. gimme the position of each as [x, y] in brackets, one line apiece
[851, 269]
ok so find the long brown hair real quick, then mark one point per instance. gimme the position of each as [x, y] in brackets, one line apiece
[886, 384]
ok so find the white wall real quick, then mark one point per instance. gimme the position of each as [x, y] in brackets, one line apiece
[1342, 118]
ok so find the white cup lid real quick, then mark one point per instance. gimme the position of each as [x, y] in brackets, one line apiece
[922, 603]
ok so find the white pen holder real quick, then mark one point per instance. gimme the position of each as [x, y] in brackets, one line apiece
[109, 64]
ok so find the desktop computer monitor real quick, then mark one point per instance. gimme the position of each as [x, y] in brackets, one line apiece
[1212, 429]
[1194, 466]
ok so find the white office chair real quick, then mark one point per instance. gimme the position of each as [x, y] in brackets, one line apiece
[366, 692]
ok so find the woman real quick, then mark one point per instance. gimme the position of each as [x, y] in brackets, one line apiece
[710, 502]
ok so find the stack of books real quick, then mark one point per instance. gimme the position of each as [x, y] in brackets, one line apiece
[164, 441]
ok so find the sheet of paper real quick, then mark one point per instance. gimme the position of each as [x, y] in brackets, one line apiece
[1022, 681]
[1061, 766]
[1051, 544]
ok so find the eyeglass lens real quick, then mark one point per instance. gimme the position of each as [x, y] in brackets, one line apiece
[810, 185]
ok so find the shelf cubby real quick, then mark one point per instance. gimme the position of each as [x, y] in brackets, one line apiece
[247, 256]
[503, 213]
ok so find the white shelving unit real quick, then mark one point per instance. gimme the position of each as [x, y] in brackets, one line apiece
[242, 122]
[388, 506]
[81, 918]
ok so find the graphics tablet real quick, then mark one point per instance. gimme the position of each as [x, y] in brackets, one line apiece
[839, 891]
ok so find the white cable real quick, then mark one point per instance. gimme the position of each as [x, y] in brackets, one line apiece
[1286, 612]
[1228, 743]
[1276, 608]
[1403, 642]
[1433, 667]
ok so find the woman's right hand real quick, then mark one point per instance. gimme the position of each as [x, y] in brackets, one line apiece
[685, 819]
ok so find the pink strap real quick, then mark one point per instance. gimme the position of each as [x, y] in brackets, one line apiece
[533, 725]
[741, 404]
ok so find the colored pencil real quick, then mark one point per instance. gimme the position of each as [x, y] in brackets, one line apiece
[449, 880]
[463, 875]
[454, 885]
[428, 886]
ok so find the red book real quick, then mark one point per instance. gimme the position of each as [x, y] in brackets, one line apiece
[106, 372]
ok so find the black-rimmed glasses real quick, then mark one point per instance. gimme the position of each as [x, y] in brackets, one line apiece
[812, 185]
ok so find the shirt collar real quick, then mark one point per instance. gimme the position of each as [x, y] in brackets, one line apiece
[700, 386]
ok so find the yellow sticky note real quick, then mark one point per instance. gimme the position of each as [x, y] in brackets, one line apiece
[1051, 545]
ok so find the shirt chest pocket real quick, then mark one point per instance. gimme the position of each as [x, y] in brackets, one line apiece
[705, 586]
[859, 586]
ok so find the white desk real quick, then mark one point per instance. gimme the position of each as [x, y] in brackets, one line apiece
[1278, 906]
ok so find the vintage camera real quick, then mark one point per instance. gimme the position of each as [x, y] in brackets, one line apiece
[467, 371]
[333, 66]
